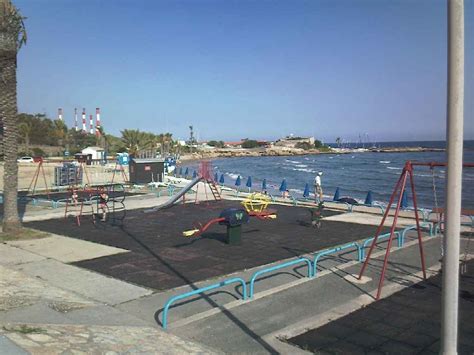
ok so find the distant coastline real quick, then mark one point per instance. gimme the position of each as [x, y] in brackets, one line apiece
[278, 151]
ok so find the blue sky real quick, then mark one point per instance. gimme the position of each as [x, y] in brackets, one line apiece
[236, 69]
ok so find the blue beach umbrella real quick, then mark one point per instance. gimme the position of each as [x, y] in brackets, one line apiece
[237, 181]
[186, 172]
[264, 185]
[306, 190]
[336, 195]
[195, 174]
[368, 199]
[216, 177]
[283, 186]
[221, 180]
[404, 203]
[249, 183]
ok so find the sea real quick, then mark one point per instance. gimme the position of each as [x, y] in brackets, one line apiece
[354, 173]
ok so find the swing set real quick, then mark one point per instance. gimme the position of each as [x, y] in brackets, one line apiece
[400, 187]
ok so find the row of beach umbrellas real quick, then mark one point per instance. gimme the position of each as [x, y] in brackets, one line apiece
[283, 187]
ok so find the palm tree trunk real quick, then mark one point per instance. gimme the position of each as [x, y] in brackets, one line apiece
[8, 116]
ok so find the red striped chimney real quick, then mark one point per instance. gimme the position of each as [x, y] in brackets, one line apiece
[60, 114]
[91, 125]
[75, 119]
[84, 128]
[97, 121]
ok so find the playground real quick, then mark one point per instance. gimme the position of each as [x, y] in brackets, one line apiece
[199, 252]
[161, 258]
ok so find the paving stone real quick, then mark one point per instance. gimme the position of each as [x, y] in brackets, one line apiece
[406, 322]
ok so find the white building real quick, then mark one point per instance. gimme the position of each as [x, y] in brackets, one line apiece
[95, 152]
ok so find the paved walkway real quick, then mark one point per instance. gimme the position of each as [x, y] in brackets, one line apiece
[407, 321]
[48, 306]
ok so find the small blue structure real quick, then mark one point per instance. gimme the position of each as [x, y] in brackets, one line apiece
[404, 203]
[283, 186]
[221, 180]
[186, 172]
[368, 199]
[264, 185]
[306, 191]
[123, 158]
[195, 174]
[249, 183]
[238, 181]
[336, 195]
[216, 177]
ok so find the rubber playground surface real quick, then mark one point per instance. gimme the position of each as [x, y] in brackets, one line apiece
[161, 258]
[407, 322]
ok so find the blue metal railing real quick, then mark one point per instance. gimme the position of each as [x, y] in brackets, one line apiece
[413, 227]
[335, 250]
[201, 290]
[277, 267]
[382, 236]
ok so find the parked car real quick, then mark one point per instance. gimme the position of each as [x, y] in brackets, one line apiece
[25, 160]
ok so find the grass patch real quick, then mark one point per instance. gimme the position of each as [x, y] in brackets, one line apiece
[24, 329]
[23, 234]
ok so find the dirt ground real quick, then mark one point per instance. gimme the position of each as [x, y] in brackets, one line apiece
[97, 174]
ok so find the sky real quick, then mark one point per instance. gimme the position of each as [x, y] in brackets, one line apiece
[256, 69]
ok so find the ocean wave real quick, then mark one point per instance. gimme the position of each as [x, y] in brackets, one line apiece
[232, 175]
[305, 170]
[293, 161]
[384, 161]
[393, 168]
[298, 191]
[301, 165]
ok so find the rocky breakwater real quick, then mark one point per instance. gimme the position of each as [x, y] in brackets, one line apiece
[257, 152]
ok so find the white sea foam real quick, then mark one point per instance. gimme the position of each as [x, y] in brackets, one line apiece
[301, 165]
[232, 175]
[393, 168]
[305, 170]
[384, 161]
[298, 191]
[293, 161]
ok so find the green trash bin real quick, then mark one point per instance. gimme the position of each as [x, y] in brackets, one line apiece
[234, 218]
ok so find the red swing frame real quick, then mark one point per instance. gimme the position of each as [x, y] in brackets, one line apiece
[400, 186]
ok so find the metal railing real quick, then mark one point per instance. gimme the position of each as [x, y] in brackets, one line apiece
[380, 237]
[277, 267]
[168, 303]
[335, 250]
[413, 227]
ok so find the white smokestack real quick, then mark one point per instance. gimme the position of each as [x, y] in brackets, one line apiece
[97, 121]
[91, 125]
[75, 119]
[84, 128]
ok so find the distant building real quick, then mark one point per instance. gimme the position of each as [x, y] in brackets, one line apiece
[96, 153]
[291, 142]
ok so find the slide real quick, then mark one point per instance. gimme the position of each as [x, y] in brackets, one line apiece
[176, 197]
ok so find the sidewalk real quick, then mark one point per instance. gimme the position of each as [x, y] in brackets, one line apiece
[49, 307]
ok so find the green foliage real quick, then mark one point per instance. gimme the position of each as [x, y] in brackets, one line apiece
[318, 143]
[303, 145]
[38, 152]
[249, 143]
[217, 144]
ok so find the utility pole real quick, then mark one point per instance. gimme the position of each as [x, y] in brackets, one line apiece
[454, 137]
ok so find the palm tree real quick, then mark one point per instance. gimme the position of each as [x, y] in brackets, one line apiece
[25, 129]
[12, 36]
[338, 142]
